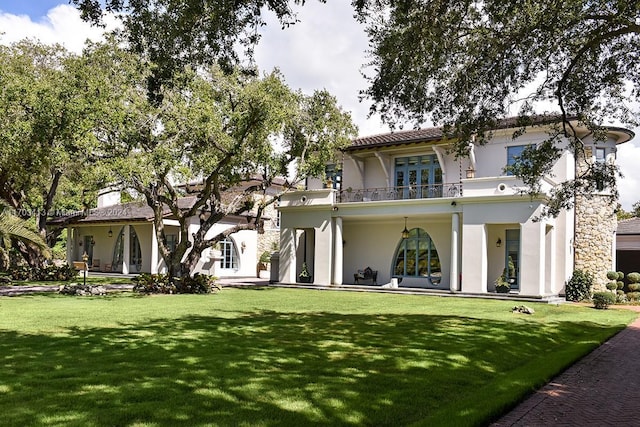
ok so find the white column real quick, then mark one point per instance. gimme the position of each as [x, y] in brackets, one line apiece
[337, 252]
[71, 245]
[288, 251]
[154, 250]
[453, 270]
[126, 254]
[532, 254]
[474, 258]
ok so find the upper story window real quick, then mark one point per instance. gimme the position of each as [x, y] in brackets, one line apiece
[513, 155]
[601, 155]
[419, 176]
[334, 176]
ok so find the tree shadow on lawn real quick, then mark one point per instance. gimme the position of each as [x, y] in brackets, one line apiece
[268, 368]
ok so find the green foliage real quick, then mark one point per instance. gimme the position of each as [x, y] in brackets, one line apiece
[579, 286]
[163, 284]
[13, 229]
[633, 277]
[620, 284]
[633, 287]
[620, 275]
[633, 296]
[265, 258]
[612, 286]
[48, 273]
[602, 300]
[304, 273]
[189, 32]
[217, 128]
[198, 284]
[612, 275]
[146, 283]
[465, 65]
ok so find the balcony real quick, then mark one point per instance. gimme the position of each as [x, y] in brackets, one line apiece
[412, 192]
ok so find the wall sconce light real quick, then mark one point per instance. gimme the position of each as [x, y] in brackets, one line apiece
[110, 233]
[453, 203]
[93, 242]
[243, 246]
[405, 232]
[498, 242]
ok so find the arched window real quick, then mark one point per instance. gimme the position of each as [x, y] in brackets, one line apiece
[416, 256]
[229, 254]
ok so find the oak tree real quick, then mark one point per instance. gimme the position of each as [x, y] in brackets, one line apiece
[466, 65]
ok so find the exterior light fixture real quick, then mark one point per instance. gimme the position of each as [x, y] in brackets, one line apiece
[110, 233]
[498, 242]
[405, 232]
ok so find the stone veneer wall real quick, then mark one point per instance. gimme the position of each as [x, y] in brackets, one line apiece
[596, 223]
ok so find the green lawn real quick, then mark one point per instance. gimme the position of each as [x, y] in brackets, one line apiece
[259, 357]
[93, 280]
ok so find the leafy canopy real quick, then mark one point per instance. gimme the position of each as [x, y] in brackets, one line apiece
[466, 65]
[226, 139]
[172, 33]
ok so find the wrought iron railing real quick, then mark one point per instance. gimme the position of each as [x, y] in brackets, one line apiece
[432, 191]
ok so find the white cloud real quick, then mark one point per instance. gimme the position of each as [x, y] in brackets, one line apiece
[326, 49]
[62, 25]
[628, 157]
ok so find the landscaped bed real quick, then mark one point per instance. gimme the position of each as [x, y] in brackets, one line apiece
[281, 357]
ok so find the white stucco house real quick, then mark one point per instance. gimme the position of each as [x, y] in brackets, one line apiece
[404, 206]
[120, 238]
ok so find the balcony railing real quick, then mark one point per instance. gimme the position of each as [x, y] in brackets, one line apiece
[432, 191]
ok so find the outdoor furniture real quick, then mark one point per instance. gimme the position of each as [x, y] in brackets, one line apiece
[366, 274]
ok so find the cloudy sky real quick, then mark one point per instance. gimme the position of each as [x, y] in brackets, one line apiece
[326, 49]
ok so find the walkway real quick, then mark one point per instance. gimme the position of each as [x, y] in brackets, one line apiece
[602, 389]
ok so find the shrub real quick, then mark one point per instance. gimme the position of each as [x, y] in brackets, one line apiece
[612, 286]
[612, 275]
[52, 272]
[602, 300]
[634, 287]
[152, 284]
[620, 275]
[634, 277]
[579, 286]
[20, 272]
[48, 273]
[620, 285]
[198, 284]
[621, 298]
[159, 284]
[633, 296]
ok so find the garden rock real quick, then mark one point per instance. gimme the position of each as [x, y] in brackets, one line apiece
[82, 290]
[523, 309]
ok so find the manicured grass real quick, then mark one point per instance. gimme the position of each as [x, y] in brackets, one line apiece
[95, 280]
[262, 357]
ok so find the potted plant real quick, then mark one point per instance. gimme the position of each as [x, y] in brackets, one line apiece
[304, 276]
[502, 284]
